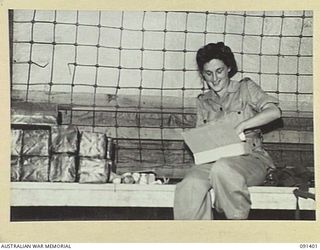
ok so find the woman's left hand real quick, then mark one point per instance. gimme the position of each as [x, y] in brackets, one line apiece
[240, 128]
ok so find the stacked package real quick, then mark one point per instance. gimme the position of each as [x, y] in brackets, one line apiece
[16, 150]
[35, 155]
[94, 167]
[28, 113]
[64, 150]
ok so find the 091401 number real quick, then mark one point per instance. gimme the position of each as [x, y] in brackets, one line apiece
[309, 246]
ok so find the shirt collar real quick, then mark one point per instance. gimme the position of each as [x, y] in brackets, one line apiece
[232, 88]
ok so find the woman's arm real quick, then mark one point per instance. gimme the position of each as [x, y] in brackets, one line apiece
[268, 113]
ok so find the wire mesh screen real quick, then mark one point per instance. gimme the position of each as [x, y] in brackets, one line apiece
[92, 58]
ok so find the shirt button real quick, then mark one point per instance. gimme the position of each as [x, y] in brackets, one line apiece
[239, 112]
[221, 109]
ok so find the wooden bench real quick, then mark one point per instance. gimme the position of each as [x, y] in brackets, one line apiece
[135, 195]
[149, 139]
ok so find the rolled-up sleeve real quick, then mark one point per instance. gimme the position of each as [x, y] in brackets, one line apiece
[258, 98]
[200, 112]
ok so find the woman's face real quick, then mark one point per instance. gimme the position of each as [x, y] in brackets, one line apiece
[215, 73]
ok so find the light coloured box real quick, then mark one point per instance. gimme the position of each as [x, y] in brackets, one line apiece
[93, 170]
[36, 142]
[16, 141]
[64, 139]
[93, 144]
[15, 169]
[35, 168]
[62, 168]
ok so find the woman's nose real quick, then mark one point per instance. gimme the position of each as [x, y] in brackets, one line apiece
[214, 77]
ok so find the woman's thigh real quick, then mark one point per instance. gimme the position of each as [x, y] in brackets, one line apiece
[252, 169]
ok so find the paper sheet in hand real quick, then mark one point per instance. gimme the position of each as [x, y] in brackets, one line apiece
[211, 142]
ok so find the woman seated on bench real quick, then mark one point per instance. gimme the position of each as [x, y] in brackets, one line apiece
[247, 107]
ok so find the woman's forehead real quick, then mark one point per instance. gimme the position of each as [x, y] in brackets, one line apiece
[213, 64]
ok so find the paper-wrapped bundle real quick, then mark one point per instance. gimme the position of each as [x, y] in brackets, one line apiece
[36, 142]
[62, 168]
[34, 113]
[213, 141]
[93, 144]
[35, 168]
[64, 139]
[15, 168]
[16, 141]
[93, 170]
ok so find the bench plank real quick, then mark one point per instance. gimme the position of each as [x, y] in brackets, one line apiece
[134, 195]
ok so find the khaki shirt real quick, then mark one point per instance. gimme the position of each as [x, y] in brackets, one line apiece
[242, 101]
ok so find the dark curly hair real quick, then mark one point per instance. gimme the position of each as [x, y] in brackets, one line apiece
[217, 51]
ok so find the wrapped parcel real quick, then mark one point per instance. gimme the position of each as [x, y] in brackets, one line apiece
[93, 144]
[64, 139]
[36, 142]
[16, 141]
[34, 113]
[15, 168]
[92, 170]
[35, 168]
[62, 168]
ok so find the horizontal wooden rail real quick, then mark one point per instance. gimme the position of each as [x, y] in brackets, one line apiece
[134, 195]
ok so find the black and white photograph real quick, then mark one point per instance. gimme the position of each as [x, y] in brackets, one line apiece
[161, 115]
